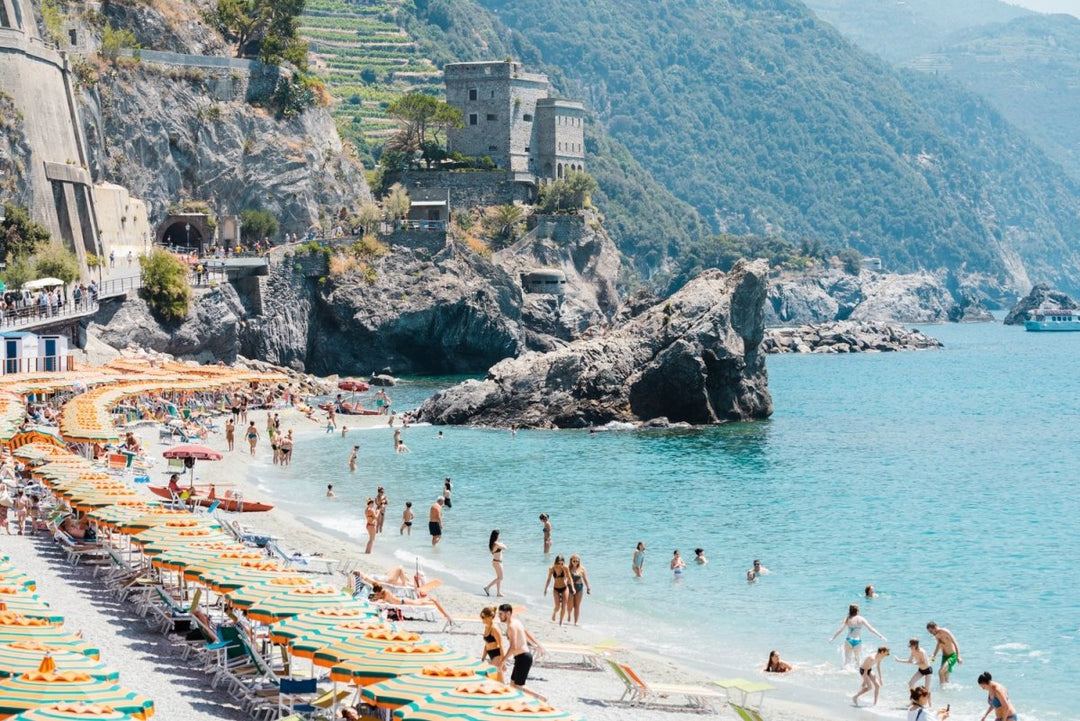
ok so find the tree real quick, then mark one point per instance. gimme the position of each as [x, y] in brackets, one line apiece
[19, 235]
[397, 202]
[851, 259]
[418, 114]
[570, 192]
[505, 221]
[56, 261]
[18, 272]
[267, 28]
[368, 215]
[165, 284]
[258, 224]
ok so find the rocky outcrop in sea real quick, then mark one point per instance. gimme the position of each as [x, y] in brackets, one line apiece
[695, 357]
[1041, 296]
[846, 337]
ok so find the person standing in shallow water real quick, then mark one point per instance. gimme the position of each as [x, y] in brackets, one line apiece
[352, 459]
[639, 559]
[870, 671]
[997, 699]
[496, 548]
[547, 532]
[435, 521]
[950, 650]
[579, 578]
[371, 520]
[854, 623]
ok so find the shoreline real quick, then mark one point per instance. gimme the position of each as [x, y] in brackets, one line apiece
[582, 692]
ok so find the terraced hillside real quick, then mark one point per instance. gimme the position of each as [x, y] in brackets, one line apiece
[366, 60]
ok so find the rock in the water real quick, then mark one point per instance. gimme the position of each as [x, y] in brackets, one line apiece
[695, 358]
[846, 337]
[383, 379]
[833, 295]
[1042, 295]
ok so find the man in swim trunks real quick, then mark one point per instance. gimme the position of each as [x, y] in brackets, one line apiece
[950, 651]
[519, 647]
[918, 657]
[435, 521]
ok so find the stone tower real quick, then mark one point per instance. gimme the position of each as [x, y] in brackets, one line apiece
[509, 117]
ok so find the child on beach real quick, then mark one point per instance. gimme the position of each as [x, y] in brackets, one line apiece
[677, 564]
[406, 519]
[870, 679]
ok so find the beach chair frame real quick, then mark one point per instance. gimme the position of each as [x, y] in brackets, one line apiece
[642, 695]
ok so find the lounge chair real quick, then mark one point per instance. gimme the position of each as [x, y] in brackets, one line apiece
[742, 691]
[746, 714]
[588, 657]
[640, 694]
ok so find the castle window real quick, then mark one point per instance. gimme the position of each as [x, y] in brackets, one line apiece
[492, 117]
[472, 93]
[73, 37]
[473, 118]
[492, 94]
[527, 118]
[493, 148]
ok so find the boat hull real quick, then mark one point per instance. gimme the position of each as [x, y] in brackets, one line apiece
[1052, 326]
[225, 504]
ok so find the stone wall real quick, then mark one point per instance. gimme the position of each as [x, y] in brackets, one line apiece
[226, 79]
[470, 189]
[122, 221]
[559, 144]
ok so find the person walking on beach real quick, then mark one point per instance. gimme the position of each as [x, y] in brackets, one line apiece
[496, 549]
[230, 433]
[286, 447]
[950, 651]
[639, 559]
[997, 699]
[678, 565]
[924, 672]
[406, 519]
[870, 671]
[919, 711]
[756, 570]
[493, 645]
[352, 459]
[252, 437]
[854, 624]
[371, 521]
[579, 579]
[559, 579]
[547, 532]
[519, 647]
[435, 521]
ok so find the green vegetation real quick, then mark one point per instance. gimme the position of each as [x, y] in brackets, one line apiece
[55, 261]
[114, 40]
[18, 271]
[569, 193]
[53, 17]
[504, 223]
[19, 235]
[266, 29]
[421, 117]
[165, 285]
[258, 224]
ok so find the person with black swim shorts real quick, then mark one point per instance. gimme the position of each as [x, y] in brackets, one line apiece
[519, 647]
[922, 662]
[435, 521]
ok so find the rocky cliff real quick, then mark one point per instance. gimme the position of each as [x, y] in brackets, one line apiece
[1042, 295]
[694, 358]
[834, 295]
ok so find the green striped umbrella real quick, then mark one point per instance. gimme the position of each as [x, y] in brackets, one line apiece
[53, 637]
[13, 577]
[225, 581]
[46, 688]
[244, 598]
[329, 622]
[404, 689]
[110, 516]
[89, 500]
[208, 569]
[195, 554]
[296, 601]
[154, 519]
[72, 712]
[25, 656]
[332, 652]
[394, 661]
[18, 600]
[520, 711]
[159, 540]
[464, 698]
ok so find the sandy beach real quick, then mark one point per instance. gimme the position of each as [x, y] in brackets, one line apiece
[592, 694]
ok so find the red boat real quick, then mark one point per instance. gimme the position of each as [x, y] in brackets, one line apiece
[226, 504]
[353, 384]
[349, 409]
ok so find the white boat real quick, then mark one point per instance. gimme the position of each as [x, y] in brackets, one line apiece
[1053, 319]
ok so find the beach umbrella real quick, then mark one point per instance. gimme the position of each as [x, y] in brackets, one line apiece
[151, 525]
[239, 575]
[159, 540]
[296, 601]
[244, 598]
[332, 652]
[47, 688]
[404, 689]
[520, 711]
[197, 554]
[25, 656]
[72, 712]
[136, 522]
[52, 637]
[17, 599]
[392, 661]
[326, 621]
[191, 452]
[463, 699]
[10, 576]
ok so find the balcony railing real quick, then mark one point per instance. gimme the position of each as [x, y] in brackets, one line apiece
[32, 316]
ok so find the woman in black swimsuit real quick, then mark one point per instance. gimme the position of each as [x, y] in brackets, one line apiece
[561, 589]
[493, 647]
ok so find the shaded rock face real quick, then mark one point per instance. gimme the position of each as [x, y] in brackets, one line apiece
[166, 139]
[208, 334]
[833, 295]
[694, 358]
[183, 30]
[1042, 295]
[846, 337]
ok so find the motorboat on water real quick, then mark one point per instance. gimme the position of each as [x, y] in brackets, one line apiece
[1053, 319]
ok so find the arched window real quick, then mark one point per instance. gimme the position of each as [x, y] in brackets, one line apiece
[560, 170]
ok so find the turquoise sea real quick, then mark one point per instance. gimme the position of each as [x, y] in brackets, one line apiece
[947, 479]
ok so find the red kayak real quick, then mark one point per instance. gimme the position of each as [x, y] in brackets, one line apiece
[225, 504]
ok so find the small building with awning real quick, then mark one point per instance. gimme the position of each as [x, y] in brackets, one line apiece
[429, 209]
[25, 352]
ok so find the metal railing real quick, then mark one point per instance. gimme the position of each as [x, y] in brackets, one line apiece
[38, 364]
[119, 286]
[35, 315]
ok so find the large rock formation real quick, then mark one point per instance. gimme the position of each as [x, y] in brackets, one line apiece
[1041, 295]
[694, 358]
[834, 295]
[846, 337]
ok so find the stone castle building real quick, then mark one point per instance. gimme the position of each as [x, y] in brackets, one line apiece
[509, 116]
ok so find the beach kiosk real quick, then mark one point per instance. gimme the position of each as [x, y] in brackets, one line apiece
[25, 352]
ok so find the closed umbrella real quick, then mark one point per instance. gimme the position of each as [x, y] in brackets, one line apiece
[409, 687]
[72, 712]
[326, 621]
[47, 688]
[25, 656]
[463, 699]
[394, 661]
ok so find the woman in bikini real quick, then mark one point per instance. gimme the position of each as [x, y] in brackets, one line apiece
[493, 645]
[997, 699]
[496, 549]
[775, 664]
[580, 579]
[371, 518]
[854, 623]
[925, 671]
[547, 532]
[559, 579]
[639, 559]
[870, 671]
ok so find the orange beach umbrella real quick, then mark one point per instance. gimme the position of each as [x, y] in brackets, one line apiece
[72, 712]
[47, 688]
[404, 689]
